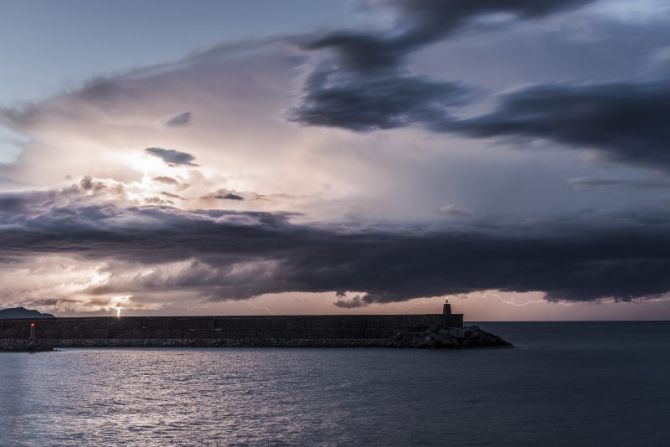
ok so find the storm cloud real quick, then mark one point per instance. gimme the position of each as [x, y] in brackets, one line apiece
[419, 23]
[238, 255]
[625, 121]
[364, 104]
[367, 86]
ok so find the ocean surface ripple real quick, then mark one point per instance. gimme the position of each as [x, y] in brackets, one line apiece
[565, 384]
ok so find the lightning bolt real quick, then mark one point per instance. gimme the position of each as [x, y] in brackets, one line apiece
[262, 308]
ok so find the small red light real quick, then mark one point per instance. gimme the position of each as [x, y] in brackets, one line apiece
[32, 324]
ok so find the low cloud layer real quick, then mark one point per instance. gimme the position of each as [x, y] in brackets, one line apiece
[237, 255]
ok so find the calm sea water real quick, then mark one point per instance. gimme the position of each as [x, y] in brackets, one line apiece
[574, 384]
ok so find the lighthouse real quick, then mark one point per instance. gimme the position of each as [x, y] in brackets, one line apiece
[449, 319]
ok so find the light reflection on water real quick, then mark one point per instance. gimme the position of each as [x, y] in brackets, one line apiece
[579, 384]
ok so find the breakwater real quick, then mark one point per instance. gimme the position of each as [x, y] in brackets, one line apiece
[26, 345]
[430, 330]
[220, 328]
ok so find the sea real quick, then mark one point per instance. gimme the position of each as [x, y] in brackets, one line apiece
[563, 384]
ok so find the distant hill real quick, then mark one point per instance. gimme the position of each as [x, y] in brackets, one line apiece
[22, 312]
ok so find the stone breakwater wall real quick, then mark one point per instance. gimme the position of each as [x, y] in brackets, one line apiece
[219, 331]
[449, 338]
[26, 345]
[395, 331]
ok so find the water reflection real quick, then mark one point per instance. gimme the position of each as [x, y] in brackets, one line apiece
[563, 385]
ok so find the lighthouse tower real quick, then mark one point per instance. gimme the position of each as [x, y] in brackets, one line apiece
[449, 319]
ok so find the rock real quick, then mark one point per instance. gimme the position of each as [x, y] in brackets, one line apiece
[22, 312]
[469, 337]
[25, 345]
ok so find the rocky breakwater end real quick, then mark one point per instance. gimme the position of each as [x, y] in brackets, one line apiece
[23, 345]
[450, 338]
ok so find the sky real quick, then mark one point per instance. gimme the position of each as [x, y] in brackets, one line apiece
[319, 157]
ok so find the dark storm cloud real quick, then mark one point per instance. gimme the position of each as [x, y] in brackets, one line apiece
[368, 87]
[181, 120]
[11, 204]
[373, 103]
[419, 23]
[626, 121]
[171, 156]
[21, 204]
[240, 255]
